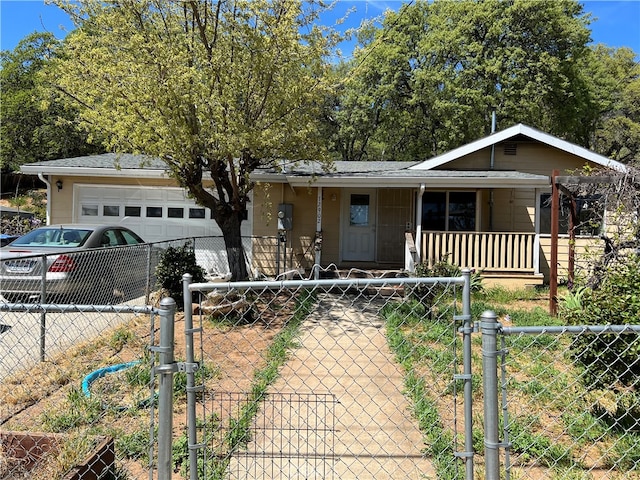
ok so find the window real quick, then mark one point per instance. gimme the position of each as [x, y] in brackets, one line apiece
[174, 212]
[132, 211]
[89, 210]
[589, 209]
[449, 211]
[359, 210]
[196, 213]
[111, 211]
[154, 212]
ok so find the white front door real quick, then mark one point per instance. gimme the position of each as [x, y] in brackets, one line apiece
[359, 225]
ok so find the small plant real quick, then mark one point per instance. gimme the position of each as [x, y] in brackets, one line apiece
[174, 263]
[80, 410]
[429, 294]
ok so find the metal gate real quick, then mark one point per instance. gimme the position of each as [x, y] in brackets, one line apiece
[320, 379]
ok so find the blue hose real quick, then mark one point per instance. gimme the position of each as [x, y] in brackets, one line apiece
[101, 372]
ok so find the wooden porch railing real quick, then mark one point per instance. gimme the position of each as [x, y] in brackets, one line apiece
[485, 251]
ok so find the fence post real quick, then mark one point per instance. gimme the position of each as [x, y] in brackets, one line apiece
[43, 312]
[191, 367]
[489, 326]
[165, 369]
[467, 330]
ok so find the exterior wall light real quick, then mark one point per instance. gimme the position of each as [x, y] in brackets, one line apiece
[59, 185]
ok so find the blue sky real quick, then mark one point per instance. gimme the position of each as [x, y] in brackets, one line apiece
[617, 22]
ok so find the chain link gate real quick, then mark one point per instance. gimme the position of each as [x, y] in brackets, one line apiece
[326, 379]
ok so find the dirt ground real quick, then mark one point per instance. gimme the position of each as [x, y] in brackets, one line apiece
[45, 389]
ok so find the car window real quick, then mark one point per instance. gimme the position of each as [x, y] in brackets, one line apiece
[131, 238]
[52, 237]
[110, 239]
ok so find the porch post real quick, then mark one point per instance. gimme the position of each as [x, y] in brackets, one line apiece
[536, 238]
[318, 240]
[419, 224]
[553, 275]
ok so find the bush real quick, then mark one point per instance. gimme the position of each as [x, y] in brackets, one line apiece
[426, 294]
[610, 361]
[174, 263]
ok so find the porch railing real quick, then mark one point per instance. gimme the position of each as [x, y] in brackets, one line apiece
[486, 251]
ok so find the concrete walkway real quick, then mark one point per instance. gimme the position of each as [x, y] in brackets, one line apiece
[346, 417]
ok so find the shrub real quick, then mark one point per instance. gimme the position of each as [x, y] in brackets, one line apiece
[610, 361]
[174, 263]
[427, 294]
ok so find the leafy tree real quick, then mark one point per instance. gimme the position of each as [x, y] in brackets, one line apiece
[215, 88]
[427, 80]
[34, 127]
[615, 82]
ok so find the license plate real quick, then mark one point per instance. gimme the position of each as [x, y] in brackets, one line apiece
[19, 266]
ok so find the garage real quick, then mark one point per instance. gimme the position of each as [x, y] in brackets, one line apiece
[155, 213]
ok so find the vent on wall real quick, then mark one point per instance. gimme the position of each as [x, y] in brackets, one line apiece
[510, 148]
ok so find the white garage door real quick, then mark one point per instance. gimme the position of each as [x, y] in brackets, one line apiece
[155, 213]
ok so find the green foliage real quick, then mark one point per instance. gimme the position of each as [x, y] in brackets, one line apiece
[174, 263]
[134, 444]
[615, 84]
[34, 126]
[535, 446]
[425, 408]
[610, 361]
[80, 411]
[625, 454]
[211, 91]
[426, 80]
[429, 294]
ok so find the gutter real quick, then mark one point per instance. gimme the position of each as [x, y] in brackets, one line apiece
[94, 172]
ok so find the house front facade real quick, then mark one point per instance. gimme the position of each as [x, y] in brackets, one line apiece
[483, 206]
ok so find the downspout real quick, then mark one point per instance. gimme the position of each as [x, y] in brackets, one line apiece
[48, 184]
[419, 223]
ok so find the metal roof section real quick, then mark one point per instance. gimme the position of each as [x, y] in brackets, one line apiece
[510, 133]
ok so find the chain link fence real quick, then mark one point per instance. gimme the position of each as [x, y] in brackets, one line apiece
[357, 376]
[568, 404]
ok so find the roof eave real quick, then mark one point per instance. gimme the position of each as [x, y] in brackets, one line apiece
[93, 172]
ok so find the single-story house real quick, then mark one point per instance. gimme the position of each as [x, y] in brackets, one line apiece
[483, 206]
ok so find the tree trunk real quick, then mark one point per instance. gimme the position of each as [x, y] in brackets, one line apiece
[233, 242]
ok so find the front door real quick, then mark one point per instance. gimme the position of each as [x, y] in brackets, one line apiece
[359, 225]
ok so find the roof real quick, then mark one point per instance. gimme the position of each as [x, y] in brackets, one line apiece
[511, 133]
[105, 165]
[347, 174]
